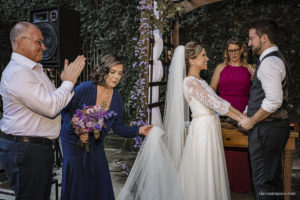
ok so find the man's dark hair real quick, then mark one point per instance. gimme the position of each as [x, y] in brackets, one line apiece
[266, 26]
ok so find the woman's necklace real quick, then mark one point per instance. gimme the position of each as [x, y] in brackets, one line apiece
[106, 96]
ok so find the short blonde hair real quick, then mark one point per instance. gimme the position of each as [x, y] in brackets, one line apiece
[244, 55]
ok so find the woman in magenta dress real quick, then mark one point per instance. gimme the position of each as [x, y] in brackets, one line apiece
[232, 81]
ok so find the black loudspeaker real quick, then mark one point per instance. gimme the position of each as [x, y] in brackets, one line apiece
[60, 27]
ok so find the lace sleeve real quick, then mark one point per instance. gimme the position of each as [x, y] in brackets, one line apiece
[201, 91]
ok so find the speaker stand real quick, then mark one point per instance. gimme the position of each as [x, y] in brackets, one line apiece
[57, 154]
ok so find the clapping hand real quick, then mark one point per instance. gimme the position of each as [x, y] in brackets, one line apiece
[144, 130]
[73, 70]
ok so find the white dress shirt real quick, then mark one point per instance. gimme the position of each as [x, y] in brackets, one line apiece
[271, 73]
[31, 103]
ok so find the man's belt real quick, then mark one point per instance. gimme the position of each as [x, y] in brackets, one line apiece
[280, 114]
[28, 139]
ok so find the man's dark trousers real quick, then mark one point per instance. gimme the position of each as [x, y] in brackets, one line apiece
[28, 168]
[267, 141]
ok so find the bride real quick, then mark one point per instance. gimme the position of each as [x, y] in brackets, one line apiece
[165, 167]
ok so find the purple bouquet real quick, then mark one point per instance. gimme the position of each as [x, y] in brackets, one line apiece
[90, 120]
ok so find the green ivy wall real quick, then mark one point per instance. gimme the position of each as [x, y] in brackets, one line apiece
[107, 26]
[110, 25]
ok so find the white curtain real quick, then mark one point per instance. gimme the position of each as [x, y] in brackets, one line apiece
[157, 75]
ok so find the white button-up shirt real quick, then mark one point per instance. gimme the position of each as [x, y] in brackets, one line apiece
[31, 103]
[271, 73]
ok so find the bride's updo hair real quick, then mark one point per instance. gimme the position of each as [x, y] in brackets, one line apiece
[101, 69]
[192, 49]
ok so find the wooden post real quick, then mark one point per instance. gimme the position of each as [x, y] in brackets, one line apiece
[146, 37]
[287, 174]
[175, 32]
[288, 157]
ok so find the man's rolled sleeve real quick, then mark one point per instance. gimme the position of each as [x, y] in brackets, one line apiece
[271, 74]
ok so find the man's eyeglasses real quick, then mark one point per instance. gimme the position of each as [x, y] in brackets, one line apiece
[41, 42]
[232, 51]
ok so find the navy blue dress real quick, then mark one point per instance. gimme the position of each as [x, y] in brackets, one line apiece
[85, 175]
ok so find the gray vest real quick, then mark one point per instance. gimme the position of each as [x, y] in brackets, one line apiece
[257, 93]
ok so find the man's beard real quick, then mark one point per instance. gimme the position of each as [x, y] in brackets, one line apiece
[257, 50]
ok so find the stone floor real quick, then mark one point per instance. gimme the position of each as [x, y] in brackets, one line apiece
[116, 158]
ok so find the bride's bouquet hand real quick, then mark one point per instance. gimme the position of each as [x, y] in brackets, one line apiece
[84, 137]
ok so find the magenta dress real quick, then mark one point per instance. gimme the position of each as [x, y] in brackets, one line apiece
[234, 86]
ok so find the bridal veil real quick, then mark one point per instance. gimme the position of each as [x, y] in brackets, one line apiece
[154, 173]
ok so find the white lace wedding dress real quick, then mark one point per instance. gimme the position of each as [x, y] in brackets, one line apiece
[202, 170]
[165, 169]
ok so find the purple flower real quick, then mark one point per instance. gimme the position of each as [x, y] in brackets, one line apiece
[142, 62]
[138, 142]
[134, 64]
[125, 165]
[90, 120]
[137, 95]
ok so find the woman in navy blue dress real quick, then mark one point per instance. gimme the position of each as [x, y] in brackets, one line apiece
[85, 175]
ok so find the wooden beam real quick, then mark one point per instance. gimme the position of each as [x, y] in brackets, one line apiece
[158, 83]
[175, 33]
[190, 5]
